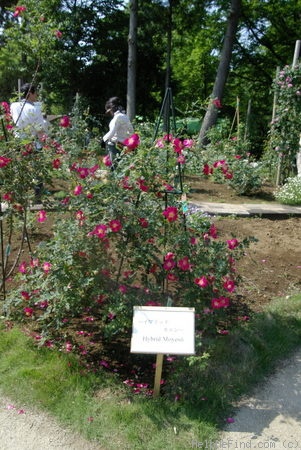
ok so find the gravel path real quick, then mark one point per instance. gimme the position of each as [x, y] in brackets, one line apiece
[21, 428]
[271, 418]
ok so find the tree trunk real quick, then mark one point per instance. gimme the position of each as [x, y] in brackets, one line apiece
[168, 49]
[222, 71]
[132, 61]
[168, 106]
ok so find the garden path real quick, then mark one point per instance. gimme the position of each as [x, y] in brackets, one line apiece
[23, 428]
[271, 417]
[247, 209]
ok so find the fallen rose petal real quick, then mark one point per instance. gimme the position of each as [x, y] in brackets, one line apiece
[230, 420]
[9, 406]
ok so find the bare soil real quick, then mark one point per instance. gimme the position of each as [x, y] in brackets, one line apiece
[272, 266]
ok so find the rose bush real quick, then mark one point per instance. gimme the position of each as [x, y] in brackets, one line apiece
[229, 160]
[285, 127]
[122, 238]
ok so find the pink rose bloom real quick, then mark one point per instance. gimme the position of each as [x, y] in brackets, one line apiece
[181, 159]
[168, 137]
[141, 184]
[169, 264]
[232, 243]
[4, 161]
[229, 285]
[184, 264]
[19, 10]
[177, 145]
[41, 216]
[23, 267]
[172, 277]
[171, 213]
[25, 295]
[159, 143]
[169, 255]
[201, 281]
[8, 196]
[65, 122]
[107, 161]
[143, 222]
[28, 311]
[132, 142]
[207, 170]
[221, 302]
[68, 347]
[83, 172]
[46, 267]
[188, 143]
[56, 163]
[99, 231]
[122, 289]
[115, 225]
[78, 190]
[219, 163]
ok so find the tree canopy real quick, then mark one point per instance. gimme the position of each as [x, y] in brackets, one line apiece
[82, 47]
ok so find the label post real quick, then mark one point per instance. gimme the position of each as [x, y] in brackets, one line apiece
[162, 331]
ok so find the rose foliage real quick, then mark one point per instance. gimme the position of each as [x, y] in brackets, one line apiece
[285, 126]
[229, 160]
[120, 237]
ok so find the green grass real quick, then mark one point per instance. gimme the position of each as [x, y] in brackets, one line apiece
[234, 364]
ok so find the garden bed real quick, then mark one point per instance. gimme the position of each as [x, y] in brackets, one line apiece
[271, 268]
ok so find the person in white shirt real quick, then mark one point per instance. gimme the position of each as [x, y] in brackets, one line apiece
[30, 123]
[120, 128]
[27, 114]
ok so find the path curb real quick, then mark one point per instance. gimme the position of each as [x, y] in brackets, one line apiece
[263, 210]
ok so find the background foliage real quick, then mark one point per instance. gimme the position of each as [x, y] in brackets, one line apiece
[90, 57]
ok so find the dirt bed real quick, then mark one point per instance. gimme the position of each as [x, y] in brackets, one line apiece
[271, 266]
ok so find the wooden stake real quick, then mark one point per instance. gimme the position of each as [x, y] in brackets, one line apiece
[296, 53]
[238, 118]
[158, 373]
[246, 135]
[19, 88]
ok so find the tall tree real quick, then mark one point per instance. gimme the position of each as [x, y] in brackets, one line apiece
[132, 60]
[91, 56]
[169, 44]
[222, 71]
